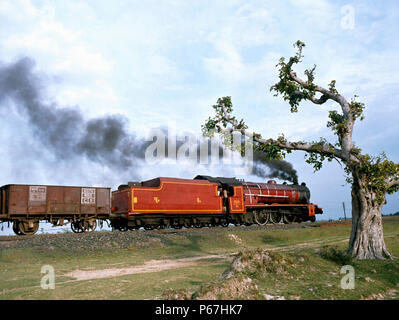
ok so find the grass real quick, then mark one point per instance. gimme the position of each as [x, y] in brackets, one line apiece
[314, 259]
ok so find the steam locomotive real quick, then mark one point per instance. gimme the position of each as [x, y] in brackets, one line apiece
[157, 203]
[208, 201]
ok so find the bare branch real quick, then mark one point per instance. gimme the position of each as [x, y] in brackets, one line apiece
[324, 98]
[326, 94]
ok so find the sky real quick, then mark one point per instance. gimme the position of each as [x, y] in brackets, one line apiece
[158, 64]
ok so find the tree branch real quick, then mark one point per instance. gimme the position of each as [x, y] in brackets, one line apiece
[320, 100]
[392, 182]
[326, 94]
[344, 139]
[326, 150]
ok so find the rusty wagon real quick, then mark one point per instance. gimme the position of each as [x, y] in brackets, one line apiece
[25, 205]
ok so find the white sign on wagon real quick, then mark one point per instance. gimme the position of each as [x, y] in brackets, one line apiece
[37, 193]
[88, 196]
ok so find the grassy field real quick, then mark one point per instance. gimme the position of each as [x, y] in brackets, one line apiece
[155, 265]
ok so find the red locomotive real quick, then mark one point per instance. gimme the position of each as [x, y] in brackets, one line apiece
[208, 201]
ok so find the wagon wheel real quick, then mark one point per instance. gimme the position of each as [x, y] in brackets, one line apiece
[261, 217]
[289, 218]
[77, 226]
[122, 227]
[89, 225]
[23, 227]
[15, 228]
[275, 217]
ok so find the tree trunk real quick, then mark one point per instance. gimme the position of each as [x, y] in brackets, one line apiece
[367, 237]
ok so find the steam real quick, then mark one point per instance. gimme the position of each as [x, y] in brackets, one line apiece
[105, 140]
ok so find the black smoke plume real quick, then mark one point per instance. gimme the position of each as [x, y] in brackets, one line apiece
[265, 168]
[105, 140]
[64, 129]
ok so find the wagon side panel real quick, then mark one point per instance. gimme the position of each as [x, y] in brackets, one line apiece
[103, 201]
[88, 201]
[18, 196]
[37, 200]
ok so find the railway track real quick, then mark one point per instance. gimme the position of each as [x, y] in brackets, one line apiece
[183, 230]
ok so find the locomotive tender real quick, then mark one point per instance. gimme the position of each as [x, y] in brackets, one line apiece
[157, 203]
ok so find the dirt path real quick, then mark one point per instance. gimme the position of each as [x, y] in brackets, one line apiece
[149, 266]
[167, 264]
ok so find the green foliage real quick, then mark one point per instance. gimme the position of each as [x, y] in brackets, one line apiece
[337, 123]
[223, 108]
[292, 91]
[317, 157]
[271, 150]
[356, 109]
[331, 87]
[374, 171]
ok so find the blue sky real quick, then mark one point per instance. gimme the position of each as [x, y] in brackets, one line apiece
[162, 62]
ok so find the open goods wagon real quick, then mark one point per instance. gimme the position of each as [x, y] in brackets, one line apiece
[25, 205]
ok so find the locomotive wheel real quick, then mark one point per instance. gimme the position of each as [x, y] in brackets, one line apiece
[261, 217]
[89, 225]
[224, 223]
[23, 227]
[289, 218]
[77, 226]
[187, 223]
[177, 226]
[275, 217]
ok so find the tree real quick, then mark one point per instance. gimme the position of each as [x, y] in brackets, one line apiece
[371, 177]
